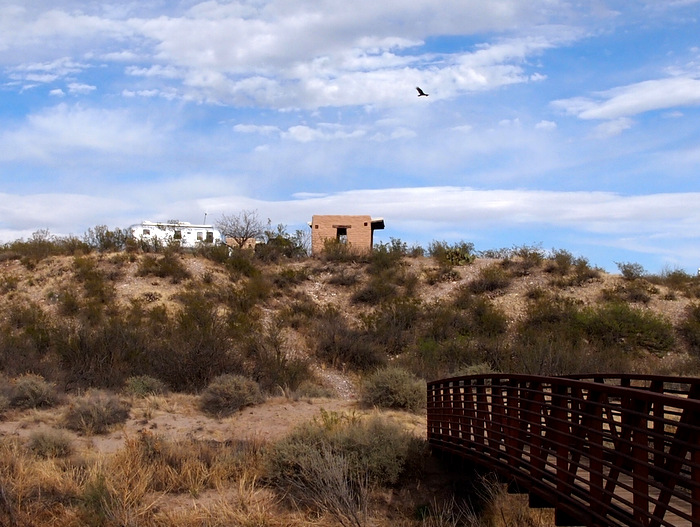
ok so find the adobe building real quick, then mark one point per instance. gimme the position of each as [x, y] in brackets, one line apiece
[356, 231]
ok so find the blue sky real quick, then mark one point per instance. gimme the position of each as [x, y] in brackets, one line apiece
[554, 123]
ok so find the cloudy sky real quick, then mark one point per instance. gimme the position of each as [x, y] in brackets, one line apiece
[554, 123]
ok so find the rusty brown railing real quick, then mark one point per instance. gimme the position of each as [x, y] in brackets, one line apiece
[618, 450]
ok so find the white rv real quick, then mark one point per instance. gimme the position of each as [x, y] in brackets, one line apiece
[187, 234]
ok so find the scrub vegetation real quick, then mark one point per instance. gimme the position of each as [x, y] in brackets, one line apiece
[100, 335]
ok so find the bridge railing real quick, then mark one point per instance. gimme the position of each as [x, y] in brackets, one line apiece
[597, 450]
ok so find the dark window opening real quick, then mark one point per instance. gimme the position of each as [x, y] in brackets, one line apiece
[210, 236]
[177, 235]
[342, 235]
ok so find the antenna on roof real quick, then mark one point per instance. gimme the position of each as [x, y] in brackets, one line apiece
[205, 218]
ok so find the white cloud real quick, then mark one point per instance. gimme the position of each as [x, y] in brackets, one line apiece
[58, 92]
[546, 125]
[634, 99]
[46, 71]
[82, 89]
[256, 129]
[305, 134]
[613, 127]
[62, 129]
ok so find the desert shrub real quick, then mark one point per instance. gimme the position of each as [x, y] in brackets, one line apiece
[378, 289]
[342, 346]
[32, 391]
[104, 240]
[335, 251]
[561, 262]
[103, 352]
[271, 365]
[555, 318]
[226, 394]
[631, 271]
[68, 302]
[460, 253]
[95, 413]
[690, 327]
[240, 263]
[521, 260]
[490, 278]
[579, 273]
[677, 280]
[431, 359]
[440, 274]
[144, 385]
[344, 277]
[167, 266]
[288, 277]
[616, 324]
[444, 321]
[50, 444]
[386, 257]
[393, 387]
[93, 279]
[391, 323]
[219, 253]
[299, 312]
[278, 243]
[194, 345]
[8, 283]
[376, 450]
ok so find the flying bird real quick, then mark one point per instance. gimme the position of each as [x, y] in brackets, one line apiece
[421, 93]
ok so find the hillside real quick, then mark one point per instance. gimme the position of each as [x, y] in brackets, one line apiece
[308, 332]
[393, 304]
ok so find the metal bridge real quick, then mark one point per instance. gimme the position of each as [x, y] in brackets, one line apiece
[603, 450]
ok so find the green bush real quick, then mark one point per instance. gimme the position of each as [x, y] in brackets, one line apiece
[343, 346]
[144, 385]
[393, 387]
[391, 324]
[460, 253]
[619, 325]
[95, 413]
[270, 364]
[561, 262]
[690, 327]
[167, 266]
[226, 394]
[32, 391]
[491, 278]
[631, 271]
[335, 251]
[377, 290]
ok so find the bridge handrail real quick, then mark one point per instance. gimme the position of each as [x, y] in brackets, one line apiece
[606, 454]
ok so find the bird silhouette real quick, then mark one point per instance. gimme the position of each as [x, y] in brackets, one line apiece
[421, 93]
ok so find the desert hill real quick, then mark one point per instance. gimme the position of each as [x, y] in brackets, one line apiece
[110, 360]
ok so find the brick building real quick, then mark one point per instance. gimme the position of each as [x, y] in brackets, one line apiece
[356, 231]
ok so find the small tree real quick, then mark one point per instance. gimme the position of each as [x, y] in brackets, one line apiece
[242, 227]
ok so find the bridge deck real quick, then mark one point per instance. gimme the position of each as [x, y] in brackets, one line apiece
[608, 455]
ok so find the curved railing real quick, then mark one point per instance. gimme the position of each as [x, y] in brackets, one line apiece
[616, 450]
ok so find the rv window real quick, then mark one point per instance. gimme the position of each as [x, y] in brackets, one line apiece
[210, 237]
[177, 235]
[146, 232]
[200, 236]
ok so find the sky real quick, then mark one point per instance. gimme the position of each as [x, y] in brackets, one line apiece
[558, 124]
